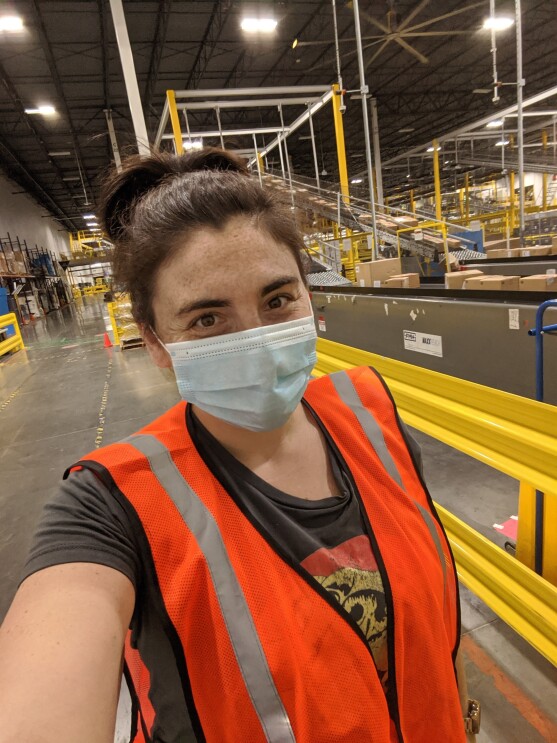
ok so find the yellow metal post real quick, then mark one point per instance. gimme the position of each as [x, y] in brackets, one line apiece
[544, 176]
[511, 199]
[445, 248]
[461, 202]
[175, 120]
[412, 203]
[525, 541]
[550, 538]
[437, 180]
[341, 150]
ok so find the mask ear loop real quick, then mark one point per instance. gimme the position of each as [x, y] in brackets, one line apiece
[152, 330]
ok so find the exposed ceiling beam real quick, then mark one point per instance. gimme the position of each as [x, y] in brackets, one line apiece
[51, 62]
[159, 42]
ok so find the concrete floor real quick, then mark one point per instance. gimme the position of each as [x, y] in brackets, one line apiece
[66, 393]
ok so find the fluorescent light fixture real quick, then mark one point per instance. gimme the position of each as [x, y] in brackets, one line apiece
[11, 23]
[89, 216]
[193, 144]
[258, 25]
[59, 153]
[406, 129]
[294, 43]
[71, 178]
[446, 162]
[41, 110]
[482, 91]
[408, 175]
[502, 143]
[430, 149]
[498, 23]
[356, 180]
[495, 124]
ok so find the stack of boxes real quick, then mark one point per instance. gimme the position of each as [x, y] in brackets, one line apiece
[499, 249]
[386, 273]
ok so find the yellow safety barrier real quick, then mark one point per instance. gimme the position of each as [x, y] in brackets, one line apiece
[14, 342]
[510, 433]
[524, 600]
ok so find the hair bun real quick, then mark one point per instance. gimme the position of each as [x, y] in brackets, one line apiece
[122, 191]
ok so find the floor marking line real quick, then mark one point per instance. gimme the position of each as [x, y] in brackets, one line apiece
[104, 403]
[511, 691]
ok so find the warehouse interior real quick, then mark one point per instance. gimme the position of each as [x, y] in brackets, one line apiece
[415, 144]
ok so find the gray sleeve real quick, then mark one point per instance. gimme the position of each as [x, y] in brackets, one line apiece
[84, 523]
[415, 448]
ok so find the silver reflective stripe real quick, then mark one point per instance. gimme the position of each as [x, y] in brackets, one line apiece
[349, 395]
[430, 523]
[239, 622]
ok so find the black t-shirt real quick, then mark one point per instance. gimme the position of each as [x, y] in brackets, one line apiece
[327, 538]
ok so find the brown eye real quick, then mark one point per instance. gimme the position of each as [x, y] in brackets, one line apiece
[207, 321]
[277, 302]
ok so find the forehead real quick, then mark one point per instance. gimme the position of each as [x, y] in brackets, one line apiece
[240, 256]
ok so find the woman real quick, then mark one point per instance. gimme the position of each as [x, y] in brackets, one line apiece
[270, 544]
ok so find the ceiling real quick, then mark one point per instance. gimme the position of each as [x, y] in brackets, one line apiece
[424, 76]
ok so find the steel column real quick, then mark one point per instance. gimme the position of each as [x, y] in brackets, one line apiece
[511, 189]
[341, 151]
[257, 161]
[128, 68]
[113, 140]
[175, 121]
[520, 119]
[376, 150]
[315, 161]
[544, 175]
[364, 91]
[437, 180]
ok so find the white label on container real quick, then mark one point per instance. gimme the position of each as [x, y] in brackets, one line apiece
[322, 324]
[551, 271]
[377, 284]
[362, 282]
[526, 254]
[423, 343]
[514, 319]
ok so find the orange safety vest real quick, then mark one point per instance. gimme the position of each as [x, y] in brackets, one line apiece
[241, 646]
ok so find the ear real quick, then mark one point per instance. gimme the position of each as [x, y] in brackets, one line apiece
[158, 353]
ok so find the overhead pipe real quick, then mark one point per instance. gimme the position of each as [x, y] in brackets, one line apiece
[337, 55]
[520, 119]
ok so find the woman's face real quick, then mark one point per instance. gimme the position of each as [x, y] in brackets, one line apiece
[224, 281]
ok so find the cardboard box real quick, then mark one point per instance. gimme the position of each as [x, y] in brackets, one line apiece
[501, 253]
[3, 264]
[500, 283]
[545, 282]
[456, 279]
[535, 251]
[514, 242]
[375, 273]
[405, 221]
[404, 281]
[475, 282]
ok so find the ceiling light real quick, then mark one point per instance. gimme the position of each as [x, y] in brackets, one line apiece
[258, 25]
[482, 91]
[42, 110]
[498, 23]
[408, 175]
[430, 149]
[294, 43]
[406, 129]
[494, 124]
[71, 178]
[11, 23]
[193, 144]
[502, 143]
[59, 153]
[356, 180]
[89, 216]
[446, 162]
[324, 172]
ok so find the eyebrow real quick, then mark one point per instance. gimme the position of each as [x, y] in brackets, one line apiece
[207, 304]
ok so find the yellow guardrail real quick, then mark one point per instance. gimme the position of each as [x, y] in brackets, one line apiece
[14, 342]
[510, 433]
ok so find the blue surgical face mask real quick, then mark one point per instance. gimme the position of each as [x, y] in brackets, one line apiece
[254, 378]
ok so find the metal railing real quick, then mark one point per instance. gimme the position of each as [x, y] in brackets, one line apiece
[13, 342]
[513, 434]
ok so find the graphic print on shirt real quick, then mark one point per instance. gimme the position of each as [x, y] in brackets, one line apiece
[350, 573]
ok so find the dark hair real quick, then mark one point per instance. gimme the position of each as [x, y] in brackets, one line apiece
[154, 201]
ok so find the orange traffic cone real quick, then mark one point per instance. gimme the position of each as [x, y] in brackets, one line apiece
[107, 343]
